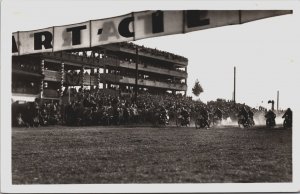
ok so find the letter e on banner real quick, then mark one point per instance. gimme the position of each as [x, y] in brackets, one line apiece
[116, 29]
[72, 36]
[36, 41]
[204, 19]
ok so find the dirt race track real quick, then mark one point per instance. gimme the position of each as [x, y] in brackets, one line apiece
[62, 155]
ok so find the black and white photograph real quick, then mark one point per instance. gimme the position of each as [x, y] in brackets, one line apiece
[149, 96]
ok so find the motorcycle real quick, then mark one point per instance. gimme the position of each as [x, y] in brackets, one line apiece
[270, 122]
[244, 122]
[201, 122]
[287, 123]
[216, 120]
[251, 122]
[183, 121]
[163, 119]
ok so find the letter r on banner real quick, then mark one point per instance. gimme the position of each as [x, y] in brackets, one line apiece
[35, 41]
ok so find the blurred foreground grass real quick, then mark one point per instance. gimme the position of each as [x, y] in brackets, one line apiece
[63, 155]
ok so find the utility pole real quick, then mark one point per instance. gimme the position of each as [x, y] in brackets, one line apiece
[234, 85]
[277, 100]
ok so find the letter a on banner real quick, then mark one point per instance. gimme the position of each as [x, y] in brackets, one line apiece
[117, 29]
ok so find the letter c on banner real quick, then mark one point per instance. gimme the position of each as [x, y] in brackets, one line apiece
[124, 27]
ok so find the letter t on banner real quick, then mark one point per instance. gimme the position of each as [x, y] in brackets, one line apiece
[72, 36]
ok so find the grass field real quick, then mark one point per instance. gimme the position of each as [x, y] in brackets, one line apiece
[62, 155]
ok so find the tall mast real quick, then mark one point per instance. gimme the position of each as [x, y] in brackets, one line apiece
[234, 85]
[277, 100]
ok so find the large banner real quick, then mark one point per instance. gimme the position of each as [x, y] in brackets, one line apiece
[130, 27]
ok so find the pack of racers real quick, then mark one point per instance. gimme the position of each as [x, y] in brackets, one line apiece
[116, 111]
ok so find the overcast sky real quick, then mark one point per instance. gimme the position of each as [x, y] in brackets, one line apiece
[265, 52]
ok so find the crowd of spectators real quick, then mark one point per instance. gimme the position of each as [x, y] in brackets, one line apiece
[95, 107]
[35, 113]
[150, 64]
[132, 46]
[151, 51]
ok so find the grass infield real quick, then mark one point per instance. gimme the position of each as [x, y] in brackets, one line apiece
[79, 155]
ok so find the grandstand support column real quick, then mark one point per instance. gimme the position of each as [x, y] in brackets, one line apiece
[136, 72]
[185, 80]
[42, 79]
[91, 73]
[82, 76]
[98, 77]
[104, 72]
[62, 79]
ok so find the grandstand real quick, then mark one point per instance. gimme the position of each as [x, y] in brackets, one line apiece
[110, 67]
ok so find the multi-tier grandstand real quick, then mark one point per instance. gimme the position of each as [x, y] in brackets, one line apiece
[113, 67]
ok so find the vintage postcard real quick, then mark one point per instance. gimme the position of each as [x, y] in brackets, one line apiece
[149, 96]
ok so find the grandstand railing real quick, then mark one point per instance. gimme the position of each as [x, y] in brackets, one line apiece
[142, 82]
[52, 75]
[184, 63]
[92, 80]
[56, 76]
[89, 80]
[149, 68]
[50, 93]
[25, 90]
[79, 59]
